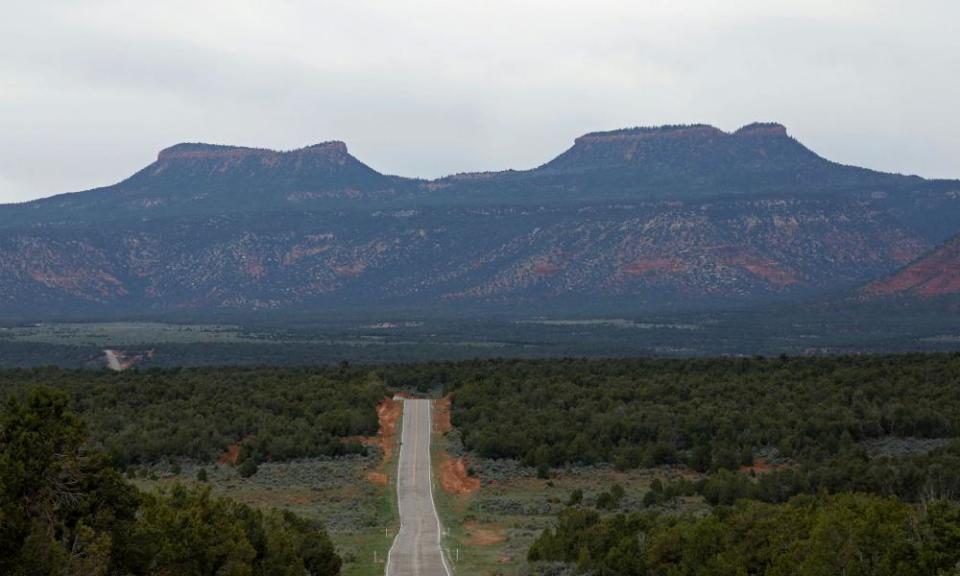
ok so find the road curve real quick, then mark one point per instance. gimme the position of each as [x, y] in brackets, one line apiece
[416, 548]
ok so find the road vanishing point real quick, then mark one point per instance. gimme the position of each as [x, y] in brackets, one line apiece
[416, 550]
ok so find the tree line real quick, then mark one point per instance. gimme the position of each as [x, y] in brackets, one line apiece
[850, 534]
[272, 413]
[64, 510]
[911, 478]
[707, 414]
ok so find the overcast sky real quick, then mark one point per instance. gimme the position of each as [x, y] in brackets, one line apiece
[90, 90]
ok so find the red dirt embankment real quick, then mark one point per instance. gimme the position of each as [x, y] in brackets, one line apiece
[454, 478]
[441, 415]
[388, 413]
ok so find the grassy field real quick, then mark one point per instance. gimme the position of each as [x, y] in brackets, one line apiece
[360, 515]
[367, 548]
[122, 333]
[491, 528]
[390, 338]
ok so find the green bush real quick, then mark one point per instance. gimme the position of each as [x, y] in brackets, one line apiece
[247, 468]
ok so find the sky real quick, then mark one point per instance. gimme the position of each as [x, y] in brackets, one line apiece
[91, 91]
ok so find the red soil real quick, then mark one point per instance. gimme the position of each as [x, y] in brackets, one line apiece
[441, 415]
[378, 478]
[761, 466]
[936, 275]
[388, 413]
[231, 455]
[478, 535]
[454, 478]
[453, 472]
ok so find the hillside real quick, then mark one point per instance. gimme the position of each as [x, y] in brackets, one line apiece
[640, 219]
[190, 179]
[933, 275]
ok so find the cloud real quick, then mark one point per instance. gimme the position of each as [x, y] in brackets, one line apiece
[11, 191]
[92, 90]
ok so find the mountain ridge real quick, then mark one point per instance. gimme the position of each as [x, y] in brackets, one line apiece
[637, 162]
[636, 219]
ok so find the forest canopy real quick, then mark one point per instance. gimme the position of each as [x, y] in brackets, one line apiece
[274, 413]
[706, 413]
[64, 510]
[851, 534]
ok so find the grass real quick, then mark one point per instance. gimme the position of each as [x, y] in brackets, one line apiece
[515, 506]
[491, 528]
[123, 333]
[362, 544]
[361, 517]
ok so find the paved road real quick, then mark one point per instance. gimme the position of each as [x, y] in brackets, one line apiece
[416, 549]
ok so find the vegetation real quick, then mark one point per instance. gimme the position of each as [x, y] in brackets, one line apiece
[372, 335]
[823, 499]
[914, 478]
[852, 534]
[784, 450]
[273, 414]
[708, 414]
[64, 510]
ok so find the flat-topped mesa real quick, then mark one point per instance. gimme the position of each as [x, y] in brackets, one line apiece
[692, 149]
[304, 171]
[333, 149]
[692, 131]
[762, 129]
[195, 150]
[681, 131]
[323, 169]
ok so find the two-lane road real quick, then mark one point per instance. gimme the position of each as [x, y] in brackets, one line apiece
[416, 549]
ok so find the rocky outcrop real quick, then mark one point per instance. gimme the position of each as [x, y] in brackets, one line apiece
[763, 129]
[935, 274]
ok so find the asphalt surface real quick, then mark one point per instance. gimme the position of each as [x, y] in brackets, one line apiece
[416, 548]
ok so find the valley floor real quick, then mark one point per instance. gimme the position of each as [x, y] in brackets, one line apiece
[796, 331]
